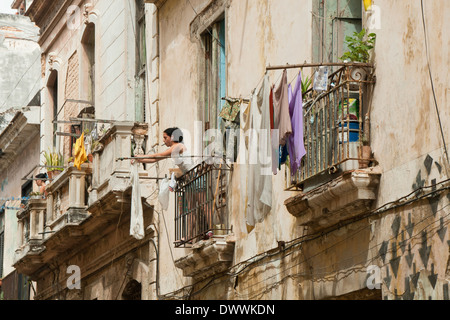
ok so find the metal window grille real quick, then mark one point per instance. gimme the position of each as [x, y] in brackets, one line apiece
[201, 204]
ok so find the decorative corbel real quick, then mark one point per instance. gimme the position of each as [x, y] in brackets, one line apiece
[53, 61]
[87, 8]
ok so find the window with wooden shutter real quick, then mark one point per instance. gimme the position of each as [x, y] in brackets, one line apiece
[141, 61]
[333, 20]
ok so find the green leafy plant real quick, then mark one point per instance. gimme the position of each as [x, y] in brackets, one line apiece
[359, 46]
[306, 84]
[54, 160]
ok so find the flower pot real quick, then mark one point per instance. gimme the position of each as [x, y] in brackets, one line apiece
[357, 74]
[53, 174]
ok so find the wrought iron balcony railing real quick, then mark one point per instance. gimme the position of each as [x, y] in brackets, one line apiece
[201, 209]
[334, 123]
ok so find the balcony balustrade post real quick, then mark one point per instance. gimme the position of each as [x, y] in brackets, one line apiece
[138, 150]
[122, 148]
[41, 224]
[33, 226]
[95, 178]
[20, 234]
[50, 214]
[77, 181]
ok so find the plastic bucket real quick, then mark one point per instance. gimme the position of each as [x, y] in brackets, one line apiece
[350, 109]
[351, 131]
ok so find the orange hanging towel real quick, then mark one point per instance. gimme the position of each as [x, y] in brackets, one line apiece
[80, 156]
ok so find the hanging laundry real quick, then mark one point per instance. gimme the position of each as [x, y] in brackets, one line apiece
[274, 135]
[271, 108]
[80, 156]
[137, 215]
[282, 119]
[245, 121]
[172, 183]
[296, 143]
[265, 153]
[283, 152]
[164, 194]
[259, 181]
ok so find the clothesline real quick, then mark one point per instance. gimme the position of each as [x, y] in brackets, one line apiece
[167, 157]
[308, 65]
[313, 65]
[259, 82]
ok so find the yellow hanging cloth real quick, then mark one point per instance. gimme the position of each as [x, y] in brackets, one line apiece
[368, 5]
[80, 156]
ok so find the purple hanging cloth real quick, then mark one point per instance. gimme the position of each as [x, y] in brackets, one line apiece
[296, 142]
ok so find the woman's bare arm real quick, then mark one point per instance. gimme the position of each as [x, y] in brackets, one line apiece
[173, 150]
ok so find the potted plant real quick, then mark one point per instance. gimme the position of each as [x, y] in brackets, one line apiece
[70, 161]
[54, 161]
[359, 47]
[35, 195]
[306, 84]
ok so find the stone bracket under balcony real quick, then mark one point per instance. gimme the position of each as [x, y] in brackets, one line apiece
[27, 258]
[75, 212]
[208, 258]
[346, 197]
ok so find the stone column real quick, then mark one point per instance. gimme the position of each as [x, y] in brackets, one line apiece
[95, 179]
[77, 182]
[50, 215]
[33, 225]
[20, 233]
[41, 224]
[122, 147]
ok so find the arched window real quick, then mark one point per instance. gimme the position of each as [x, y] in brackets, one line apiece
[88, 58]
[52, 86]
[132, 291]
[141, 61]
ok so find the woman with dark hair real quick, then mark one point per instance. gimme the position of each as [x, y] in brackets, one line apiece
[41, 179]
[173, 139]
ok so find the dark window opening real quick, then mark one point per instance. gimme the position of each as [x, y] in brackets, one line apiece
[88, 42]
[333, 20]
[141, 62]
[53, 97]
[132, 291]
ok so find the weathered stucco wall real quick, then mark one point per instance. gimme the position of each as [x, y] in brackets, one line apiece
[104, 269]
[407, 142]
[257, 37]
[114, 63]
[19, 86]
[407, 244]
[11, 187]
[404, 121]
[19, 62]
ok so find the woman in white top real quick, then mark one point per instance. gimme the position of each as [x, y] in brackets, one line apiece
[173, 139]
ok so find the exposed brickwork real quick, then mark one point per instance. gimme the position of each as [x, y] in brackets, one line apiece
[71, 92]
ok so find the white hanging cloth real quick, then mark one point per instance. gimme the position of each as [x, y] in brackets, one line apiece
[137, 215]
[164, 194]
